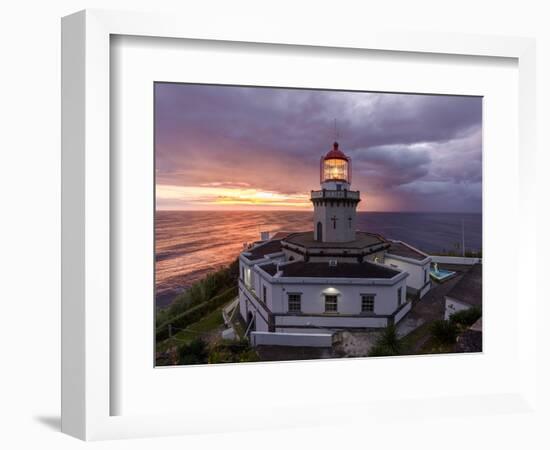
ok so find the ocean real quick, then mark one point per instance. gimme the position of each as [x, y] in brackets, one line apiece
[191, 244]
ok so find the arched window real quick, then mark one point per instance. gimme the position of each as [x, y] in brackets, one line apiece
[319, 231]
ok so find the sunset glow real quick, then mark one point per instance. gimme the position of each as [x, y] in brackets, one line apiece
[211, 197]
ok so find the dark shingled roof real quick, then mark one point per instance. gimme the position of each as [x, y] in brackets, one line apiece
[302, 269]
[363, 239]
[259, 252]
[469, 288]
[399, 249]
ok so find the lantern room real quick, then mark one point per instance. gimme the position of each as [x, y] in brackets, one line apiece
[335, 169]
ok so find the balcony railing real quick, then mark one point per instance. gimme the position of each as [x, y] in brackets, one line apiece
[352, 195]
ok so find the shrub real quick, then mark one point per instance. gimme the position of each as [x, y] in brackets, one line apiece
[381, 350]
[387, 343]
[444, 331]
[193, 353]
[230, 352]
[466, 317]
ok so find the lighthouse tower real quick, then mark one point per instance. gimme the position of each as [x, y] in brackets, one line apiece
[334, 216]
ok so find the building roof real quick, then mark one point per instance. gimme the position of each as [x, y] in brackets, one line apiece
[282, 234]
[400, 249]
[301, 269]
[336, 153]
[468, 289]
[307, 239]
[263, 249]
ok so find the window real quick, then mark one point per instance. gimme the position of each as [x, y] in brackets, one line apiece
[331, 303]
[367, 303]
[399, 292]
[264, 294]
[294, 303]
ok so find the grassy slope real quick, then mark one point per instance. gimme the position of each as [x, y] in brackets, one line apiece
[207, 324]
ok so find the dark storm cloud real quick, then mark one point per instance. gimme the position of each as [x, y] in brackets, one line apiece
[272, 139]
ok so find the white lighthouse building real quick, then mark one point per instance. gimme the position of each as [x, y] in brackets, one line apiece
[300, 288]
[334, 205]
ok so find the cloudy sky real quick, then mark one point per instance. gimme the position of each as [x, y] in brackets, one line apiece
[224, 147]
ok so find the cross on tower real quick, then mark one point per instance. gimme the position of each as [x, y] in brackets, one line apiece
[334, 219]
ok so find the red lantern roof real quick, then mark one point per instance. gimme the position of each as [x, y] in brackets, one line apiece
[336, 153]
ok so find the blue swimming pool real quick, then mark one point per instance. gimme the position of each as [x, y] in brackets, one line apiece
[440, 274]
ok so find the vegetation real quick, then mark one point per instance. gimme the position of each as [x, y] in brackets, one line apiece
[431, 337]
[444, 332]
[466, 318]
[185, 330]
[199, 351]
[232, 352]
[195, 352]
[413, 342]
[194, 314]
[203, 327]
[387, 343]
[200, 292]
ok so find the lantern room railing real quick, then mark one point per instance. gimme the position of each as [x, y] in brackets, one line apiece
[352, 195]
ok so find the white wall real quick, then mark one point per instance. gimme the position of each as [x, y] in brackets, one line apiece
[416, 272]
[402, 312]
[348, 258]
[349, 297]
[292, 339]
[261, 324]
[343, 231]
[453, 306]
[455, 260]
[328, 321]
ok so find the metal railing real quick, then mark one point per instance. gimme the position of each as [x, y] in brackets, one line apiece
[353, 195]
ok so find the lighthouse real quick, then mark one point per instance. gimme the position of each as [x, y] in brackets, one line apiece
[332, 277]
[334, 216]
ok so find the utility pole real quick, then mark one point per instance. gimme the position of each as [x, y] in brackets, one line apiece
[463, 249]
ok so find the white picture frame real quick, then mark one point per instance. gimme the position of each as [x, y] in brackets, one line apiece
[87, 385]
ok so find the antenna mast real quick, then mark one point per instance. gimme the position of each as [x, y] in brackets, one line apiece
[336, 131]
